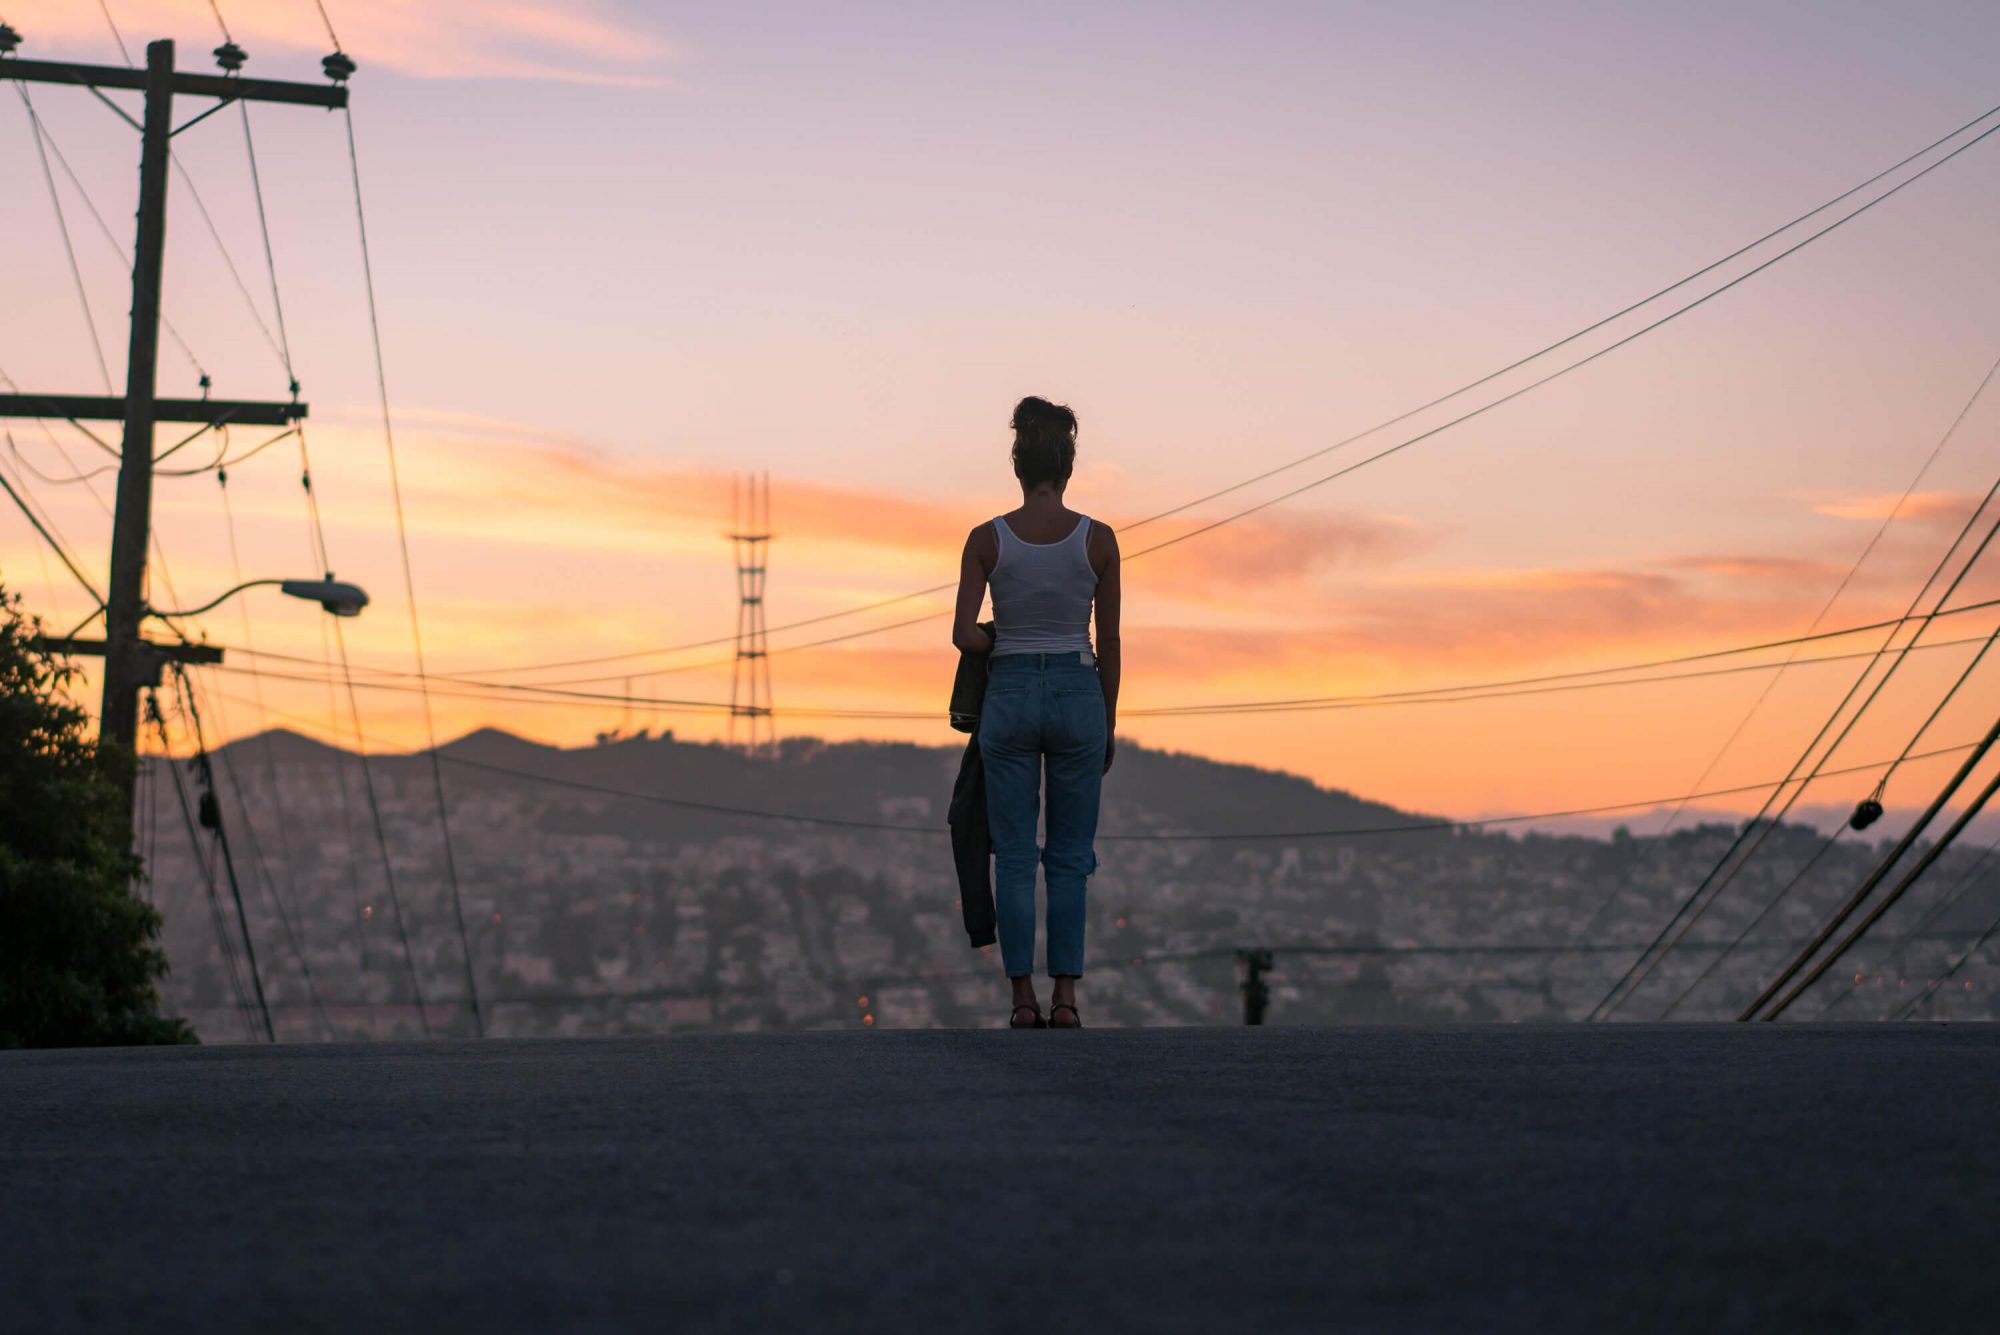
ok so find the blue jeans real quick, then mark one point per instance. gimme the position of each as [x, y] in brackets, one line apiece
[1042, 708]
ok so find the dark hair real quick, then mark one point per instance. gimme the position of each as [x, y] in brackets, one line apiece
[1044, 442]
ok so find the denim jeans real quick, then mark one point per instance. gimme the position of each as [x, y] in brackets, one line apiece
[1042, 709]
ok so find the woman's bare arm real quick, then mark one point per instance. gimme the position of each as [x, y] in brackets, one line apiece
[1109, 597]
[981, 551]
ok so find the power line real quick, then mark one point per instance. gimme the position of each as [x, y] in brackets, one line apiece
[277, 796]
[75, 478]
[1644, 967]
[1970, 879]
[1400, 446]
[381, 837]
[116, 36]
[110, 237]
[1979, 944]
[1896, 892]
[1324, 699]
[1379, 426]
[229, 260]
[331, 36]
[221, 462]
[50, 539]
[284, 344]
[293, 931]
[1902, 846]
[201, 206]
[69, 247]
[1553, 375]
[204, 866]
[316, 532]
[316, 544]
[409, 578]
[513, 693]
[212, 817]
[1876, 692]
[1845, 580]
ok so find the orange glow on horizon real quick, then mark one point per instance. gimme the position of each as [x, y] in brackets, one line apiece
[835, 281]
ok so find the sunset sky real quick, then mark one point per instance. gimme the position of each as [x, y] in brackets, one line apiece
[624, 250]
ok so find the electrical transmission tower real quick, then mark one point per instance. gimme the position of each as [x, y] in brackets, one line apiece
[750, 679]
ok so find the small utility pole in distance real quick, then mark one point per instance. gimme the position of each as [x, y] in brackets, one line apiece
[131, 662]
[1256, 996]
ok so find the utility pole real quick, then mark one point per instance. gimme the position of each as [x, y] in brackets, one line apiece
[1256, 996]
[130, 661]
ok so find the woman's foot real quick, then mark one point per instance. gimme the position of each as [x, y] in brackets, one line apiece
[1058, 1010]
[1033, 1013]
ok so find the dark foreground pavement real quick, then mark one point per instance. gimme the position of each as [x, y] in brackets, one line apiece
[1602, 1179]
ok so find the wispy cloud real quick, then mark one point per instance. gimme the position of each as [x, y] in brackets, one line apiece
[1276, 554]
[581, 41]
[561, 492]
[1944, 508]
[1762, 569]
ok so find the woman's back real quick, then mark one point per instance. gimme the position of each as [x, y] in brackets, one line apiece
[1042, 584]
[1051, 702]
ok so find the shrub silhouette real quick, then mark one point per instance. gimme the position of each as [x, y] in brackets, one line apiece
[79, 951]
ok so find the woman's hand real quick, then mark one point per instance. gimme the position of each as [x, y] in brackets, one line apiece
[1110, 750]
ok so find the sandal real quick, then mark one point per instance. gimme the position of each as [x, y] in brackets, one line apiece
[1033, 1008]
[1064, 1006]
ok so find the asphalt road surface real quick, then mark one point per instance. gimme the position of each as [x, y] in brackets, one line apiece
[1604, 1179]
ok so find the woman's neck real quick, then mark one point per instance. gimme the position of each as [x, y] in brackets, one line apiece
[1041, 499]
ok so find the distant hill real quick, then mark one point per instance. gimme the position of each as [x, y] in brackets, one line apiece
[1148, 791]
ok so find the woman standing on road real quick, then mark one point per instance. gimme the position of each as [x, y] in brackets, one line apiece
[1050, 701]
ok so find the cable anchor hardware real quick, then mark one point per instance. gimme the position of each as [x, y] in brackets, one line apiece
[9, 39]
[1866, 813]
[339, 67]
[231, 57]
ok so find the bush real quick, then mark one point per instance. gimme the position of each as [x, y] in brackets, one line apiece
[79, 952]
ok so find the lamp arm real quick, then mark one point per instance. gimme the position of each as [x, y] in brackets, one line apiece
[214, 602]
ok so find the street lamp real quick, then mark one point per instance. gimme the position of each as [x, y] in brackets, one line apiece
[339, 599]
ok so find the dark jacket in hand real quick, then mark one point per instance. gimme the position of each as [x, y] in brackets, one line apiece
[971, 841]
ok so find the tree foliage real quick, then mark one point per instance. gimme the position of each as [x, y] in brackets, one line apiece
[79, 951]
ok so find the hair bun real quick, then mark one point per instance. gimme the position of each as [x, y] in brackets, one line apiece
[1044, 441]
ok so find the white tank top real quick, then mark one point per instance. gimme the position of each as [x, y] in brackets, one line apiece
[1042, 592]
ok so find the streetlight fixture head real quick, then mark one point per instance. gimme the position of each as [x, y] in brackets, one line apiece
[341, 600]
